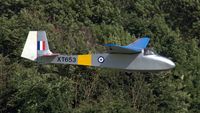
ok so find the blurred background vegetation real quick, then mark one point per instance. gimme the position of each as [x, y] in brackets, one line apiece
[82, 26]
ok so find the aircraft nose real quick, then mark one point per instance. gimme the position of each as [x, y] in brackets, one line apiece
[156, 63]
[165, 63]
[169, 63]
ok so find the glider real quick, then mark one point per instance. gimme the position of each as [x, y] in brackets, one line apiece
[133, 57]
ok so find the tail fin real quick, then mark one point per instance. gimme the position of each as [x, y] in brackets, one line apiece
[36, 45]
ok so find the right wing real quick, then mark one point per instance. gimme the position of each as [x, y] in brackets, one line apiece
[132, 48]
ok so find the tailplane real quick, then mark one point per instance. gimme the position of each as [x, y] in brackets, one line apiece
[36, 46]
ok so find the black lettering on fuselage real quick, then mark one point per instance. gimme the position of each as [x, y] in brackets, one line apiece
[59, 59]
[74, 59]
[63, 59]
[66, 59]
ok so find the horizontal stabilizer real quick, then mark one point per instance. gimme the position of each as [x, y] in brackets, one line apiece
[50, 55]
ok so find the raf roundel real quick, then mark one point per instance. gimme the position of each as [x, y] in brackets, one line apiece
[101, 59]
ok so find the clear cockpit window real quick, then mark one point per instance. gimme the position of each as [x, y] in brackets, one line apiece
[149, 51]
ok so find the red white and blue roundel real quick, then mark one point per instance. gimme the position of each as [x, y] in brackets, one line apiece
[41, 45]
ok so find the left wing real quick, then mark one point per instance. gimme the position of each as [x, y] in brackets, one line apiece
[132, 48]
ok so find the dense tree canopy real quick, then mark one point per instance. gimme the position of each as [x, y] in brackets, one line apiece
[81, 26]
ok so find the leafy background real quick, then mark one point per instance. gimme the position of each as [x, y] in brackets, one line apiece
[78, 27]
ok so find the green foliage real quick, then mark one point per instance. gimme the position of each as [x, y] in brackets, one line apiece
[74, 27]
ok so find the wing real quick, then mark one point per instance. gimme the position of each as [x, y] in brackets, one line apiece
[132, 48]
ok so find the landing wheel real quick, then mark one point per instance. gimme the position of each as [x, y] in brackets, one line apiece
[128, 73]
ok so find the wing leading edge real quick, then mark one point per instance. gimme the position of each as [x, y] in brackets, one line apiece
[134, 47]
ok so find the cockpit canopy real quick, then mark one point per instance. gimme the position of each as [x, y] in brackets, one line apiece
[149, 51]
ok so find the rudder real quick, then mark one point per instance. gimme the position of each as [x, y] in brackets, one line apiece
[36, 45]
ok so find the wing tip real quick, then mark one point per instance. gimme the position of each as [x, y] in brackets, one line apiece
[140, 43]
